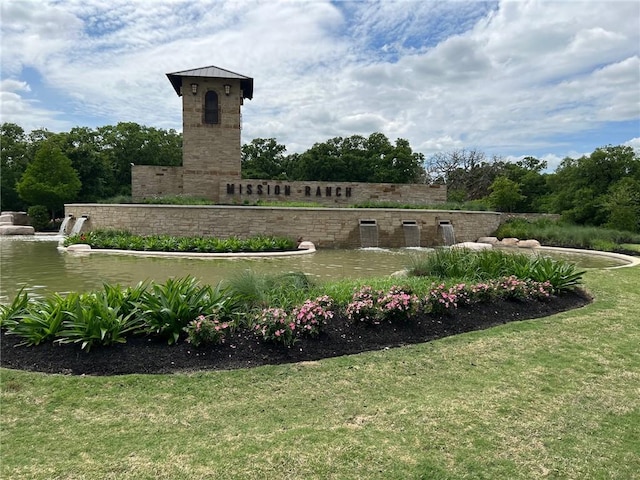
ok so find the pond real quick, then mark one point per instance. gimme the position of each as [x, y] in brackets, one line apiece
[36, 264]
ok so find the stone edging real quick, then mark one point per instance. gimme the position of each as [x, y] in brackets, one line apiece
[633, 261]
[80, 248]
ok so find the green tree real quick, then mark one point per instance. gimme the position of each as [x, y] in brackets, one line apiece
[49, 180]
[13, 163]
[82, 146]
[359, 159]
[581, 187]
[533, 184]
[623, 205]
[129, 142]
[505, 194]
[264, 158]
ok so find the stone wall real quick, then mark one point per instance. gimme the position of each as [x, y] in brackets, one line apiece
[210, 150]
[329, 193]
[326, 227]
[149, 181]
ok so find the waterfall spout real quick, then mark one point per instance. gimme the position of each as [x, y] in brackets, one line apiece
[411, 233]
[368, 233]
[448, 234]
[63, 226]
[77, 227]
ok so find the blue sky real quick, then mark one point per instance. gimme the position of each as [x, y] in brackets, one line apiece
[542, 78]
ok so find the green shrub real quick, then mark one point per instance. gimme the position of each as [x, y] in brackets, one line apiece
[39, 216]
[92, 320]
[40, 321]
[11, 314]
[446, 264]
[555, 233]
[123, 240]
[168, 308]
[207, 331]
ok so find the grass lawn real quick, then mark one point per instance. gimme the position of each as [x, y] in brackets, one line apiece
[557, 397]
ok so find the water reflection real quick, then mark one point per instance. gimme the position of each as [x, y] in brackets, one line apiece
[39, 267]
[35, 264]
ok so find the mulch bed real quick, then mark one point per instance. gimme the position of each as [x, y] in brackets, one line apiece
[244, 349]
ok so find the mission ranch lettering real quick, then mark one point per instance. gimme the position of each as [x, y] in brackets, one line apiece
[268, 189]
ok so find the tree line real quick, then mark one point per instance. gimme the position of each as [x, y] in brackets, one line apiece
[88, 165]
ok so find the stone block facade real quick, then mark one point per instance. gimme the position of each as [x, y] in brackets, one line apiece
[325, 227]
[210, 151]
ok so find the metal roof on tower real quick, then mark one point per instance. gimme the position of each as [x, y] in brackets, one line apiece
[246, 83]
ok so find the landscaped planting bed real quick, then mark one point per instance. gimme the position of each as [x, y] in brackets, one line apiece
[178, 325]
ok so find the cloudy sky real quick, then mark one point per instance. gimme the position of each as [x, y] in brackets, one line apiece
[511, 78]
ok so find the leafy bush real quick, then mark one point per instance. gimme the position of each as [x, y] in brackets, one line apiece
[118, 239]
[373, 307]
[398, 304]
[312, 315]
[39, 216]
[274, 325]
[441, 298]
[259, 290]
[93, 321]
[40, 321]
[561, 234]
[490, 264]
[207, 331]
[11, 314]
[168, 308]
[362, 307]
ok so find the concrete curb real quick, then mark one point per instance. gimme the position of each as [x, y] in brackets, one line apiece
[305, 248]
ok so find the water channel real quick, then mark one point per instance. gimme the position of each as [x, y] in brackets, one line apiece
[36, 264]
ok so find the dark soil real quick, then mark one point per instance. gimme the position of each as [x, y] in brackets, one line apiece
[244, 349]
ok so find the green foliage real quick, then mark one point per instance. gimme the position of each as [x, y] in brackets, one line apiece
[10, 314]
[176, 200]
[263, 290]
[13, 163]
[122, 240]
[468, 265]
[39, 216]
[359, 159]
[49, 180]
[207, 331]
[263, 158]
[561, 234]
[168, 308]
[623, 205]
[505, 194]
[581, 187]
[562, 276]
[93, 320]
[39, 321]
[467, 173]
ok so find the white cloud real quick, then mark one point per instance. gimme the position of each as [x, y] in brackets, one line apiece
[507, 78]
[634, 143]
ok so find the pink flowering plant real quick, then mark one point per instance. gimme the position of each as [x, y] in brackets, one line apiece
[275, 325]
[398, 304]
[312, 315]
[443, 299]
[364, 306]
[482, 292]
[207, 331]
[513, 288]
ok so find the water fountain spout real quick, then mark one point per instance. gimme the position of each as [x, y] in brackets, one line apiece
[448, 234]
[63, 226]
[368, 233]
[411, 233]
[77, 227]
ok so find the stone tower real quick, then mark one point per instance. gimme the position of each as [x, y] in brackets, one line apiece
[211, 101]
